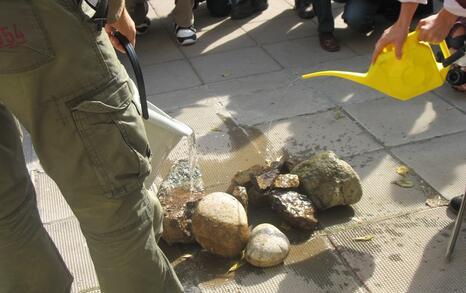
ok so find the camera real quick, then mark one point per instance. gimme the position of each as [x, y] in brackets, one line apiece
[456, 76]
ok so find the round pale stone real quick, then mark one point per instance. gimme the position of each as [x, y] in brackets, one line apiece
[267, 246]
[220, 224]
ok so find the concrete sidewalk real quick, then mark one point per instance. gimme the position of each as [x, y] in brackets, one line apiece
[239, 88]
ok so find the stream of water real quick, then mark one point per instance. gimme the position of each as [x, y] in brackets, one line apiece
[192, 160]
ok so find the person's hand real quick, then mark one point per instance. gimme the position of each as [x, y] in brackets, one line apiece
[435, 28]
[396, 35]
[126, 27]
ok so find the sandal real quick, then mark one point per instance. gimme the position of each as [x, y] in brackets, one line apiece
[328, 42]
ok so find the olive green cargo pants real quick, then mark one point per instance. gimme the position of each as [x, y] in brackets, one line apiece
[61, 79]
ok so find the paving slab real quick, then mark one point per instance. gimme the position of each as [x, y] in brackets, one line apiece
[340, 90]
[458, 99]
[72, 246]
[233, 64]
[307, 134]
[276, 9]
[310, 267]
[200, 95]
[157, 46]
[280, 29]
[203, 21]
[50, 202]
[162, 8]
[394, 122]
[441, 162]
[304, 53]
[225, 37]
[381, 196]
[406, 253]
[286, 99]
[169, 76]
[223, 148]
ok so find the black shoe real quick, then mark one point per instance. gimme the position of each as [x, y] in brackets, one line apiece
[455, 204]
[143, 27]
[247, 8]
[304, 8]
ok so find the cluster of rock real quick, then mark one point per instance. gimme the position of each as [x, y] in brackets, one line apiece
[218, 221]
[178, 195]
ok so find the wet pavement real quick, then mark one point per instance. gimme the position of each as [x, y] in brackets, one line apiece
[239, 89]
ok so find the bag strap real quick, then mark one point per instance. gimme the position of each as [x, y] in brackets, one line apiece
[137, 72]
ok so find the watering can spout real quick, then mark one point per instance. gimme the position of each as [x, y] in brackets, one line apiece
[353, 76]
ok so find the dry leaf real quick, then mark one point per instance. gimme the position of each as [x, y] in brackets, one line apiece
[436, 202]
[364, 238]
[402, 170]
[236, 266]
[216, 129]
[186, 256]
[405, 183]
[338, 113]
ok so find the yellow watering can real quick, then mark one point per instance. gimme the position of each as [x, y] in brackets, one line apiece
[417, 72]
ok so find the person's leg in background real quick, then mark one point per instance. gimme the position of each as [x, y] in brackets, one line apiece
[360, 14]
[184, 22]
[220, 8]
[326, 26]
[138, 10]
[90, 140]
[29, 261]
[304, 9]
[244, 8]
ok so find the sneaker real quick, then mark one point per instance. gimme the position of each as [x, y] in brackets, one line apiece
[185, 35]
[455, 204]
[304, 8]
[247, 8]
[143, 27]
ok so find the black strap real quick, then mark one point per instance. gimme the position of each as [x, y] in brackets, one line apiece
[100, 16]
[137, 71]
[454, 57]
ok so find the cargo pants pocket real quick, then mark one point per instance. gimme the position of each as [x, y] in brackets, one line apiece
[23, 42]
[115, 140]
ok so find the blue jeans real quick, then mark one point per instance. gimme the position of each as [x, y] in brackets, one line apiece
[358, 14]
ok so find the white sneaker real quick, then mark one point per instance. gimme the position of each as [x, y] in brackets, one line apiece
[185, 35]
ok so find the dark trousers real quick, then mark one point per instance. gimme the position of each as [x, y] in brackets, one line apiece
[220, 8]
[358, 14]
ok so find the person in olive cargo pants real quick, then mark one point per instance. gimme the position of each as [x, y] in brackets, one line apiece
[60, 78]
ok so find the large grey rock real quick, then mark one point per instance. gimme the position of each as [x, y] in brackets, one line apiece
[267, 246]
[294, 208]
[220, 224]
[179, 202]
[328, 181]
